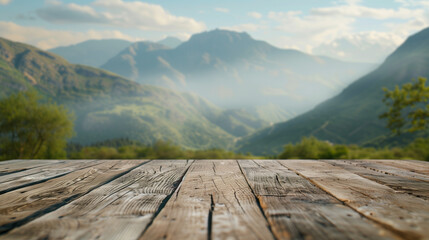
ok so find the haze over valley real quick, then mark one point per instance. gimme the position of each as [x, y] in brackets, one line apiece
[246, 87]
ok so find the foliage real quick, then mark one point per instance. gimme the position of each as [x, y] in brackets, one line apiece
[30, 130]
[413, 98]
[312, 148]
[159, 150]
[108, 106]
[351, 117]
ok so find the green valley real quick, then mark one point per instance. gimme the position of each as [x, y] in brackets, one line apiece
[108, 106]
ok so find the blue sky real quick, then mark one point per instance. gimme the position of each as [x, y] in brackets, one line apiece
[354, 30]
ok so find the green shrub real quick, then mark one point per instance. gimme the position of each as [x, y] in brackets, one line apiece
[159, 150]
[312, 148]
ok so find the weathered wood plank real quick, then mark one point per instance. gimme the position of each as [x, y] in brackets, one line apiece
[400, 184]
[406, 215]
[296, 209]
[387, 169]
[22, 205]
[120, 209]
[35, 175]
[215, 202]
[21, 165]
[10, 161]
[421, 167]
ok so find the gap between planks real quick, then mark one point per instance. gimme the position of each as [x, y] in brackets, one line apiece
[214, 205]
[406, 215]
[120, 209]
[297, 209]
[213, 201]
[26, 204]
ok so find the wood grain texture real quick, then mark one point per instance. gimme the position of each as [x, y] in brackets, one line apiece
[11, 166]
[120, 209]
[391, 170]
[421, 167]
[296, 209]
[406, 215]
[214, 201]
[22, 205]
[398, 183]
[10, 161]
[45, 172]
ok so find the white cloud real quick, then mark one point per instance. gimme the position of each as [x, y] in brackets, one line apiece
[46, 39]
[413, 3]
[361, 47]
[5, 2]
[222, 10]
[332, 30]
[134, 14]
[255, 15]
[367, 12]
[305, 31]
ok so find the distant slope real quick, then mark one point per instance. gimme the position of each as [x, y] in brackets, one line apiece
[170, 42]
[92, 52]
[233, 70]
[352, 116]
[108, 106]
[125, 65]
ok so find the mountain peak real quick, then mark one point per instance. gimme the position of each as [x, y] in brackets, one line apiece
[415, 45]
[227, 45]
[171, 42]
[221, 36]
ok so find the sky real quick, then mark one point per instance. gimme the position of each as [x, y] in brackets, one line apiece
[351, 30]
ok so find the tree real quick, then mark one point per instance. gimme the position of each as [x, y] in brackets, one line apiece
[29, 129]
[412, 101]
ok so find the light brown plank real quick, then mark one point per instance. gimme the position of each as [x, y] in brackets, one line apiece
[400, 184]
[22, 205]
[120, 209]
[10, 161]
[387, 169]
[20, 165]
[214, 201]
[45, 172]
[406, 215]
[421, 167]
[296, 209]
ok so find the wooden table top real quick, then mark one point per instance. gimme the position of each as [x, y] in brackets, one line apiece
[214, 199]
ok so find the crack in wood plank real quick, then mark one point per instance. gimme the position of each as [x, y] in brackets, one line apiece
[405, 215]
[299, 210]
[213, 200]
[120, 209]
[419, 189]
[28, 203]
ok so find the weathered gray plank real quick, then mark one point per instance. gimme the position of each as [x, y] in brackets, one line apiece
[387, 169]
[20, 165]
[296, 209]
[213, 201]
[398, 183]
[22, 205]
[406, 215]
[120, 209]
[421, 167]
[10, 161]
[45, 172]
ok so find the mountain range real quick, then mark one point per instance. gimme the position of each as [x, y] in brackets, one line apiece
[233, 70]
[108, 106]
[92, 53]
[252, 75]
[351, 117]
[95, 53]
